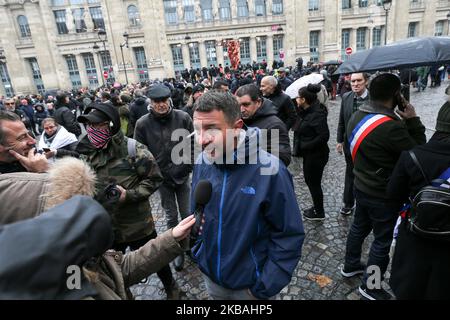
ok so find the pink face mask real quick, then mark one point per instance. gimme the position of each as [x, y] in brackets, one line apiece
[98, 137]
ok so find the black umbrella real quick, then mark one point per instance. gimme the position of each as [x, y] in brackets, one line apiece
[408, 53]
[332, 62]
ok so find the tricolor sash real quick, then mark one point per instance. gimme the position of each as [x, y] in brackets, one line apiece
[445, 176]
[364, 127]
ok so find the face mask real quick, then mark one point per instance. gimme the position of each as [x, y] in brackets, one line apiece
[98, 137]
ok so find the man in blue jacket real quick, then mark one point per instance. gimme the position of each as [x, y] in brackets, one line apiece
[252, 235]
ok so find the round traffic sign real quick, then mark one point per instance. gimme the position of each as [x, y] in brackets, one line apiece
[349, 50]
[105, 74]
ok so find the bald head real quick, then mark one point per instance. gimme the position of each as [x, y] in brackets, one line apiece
[268, 85]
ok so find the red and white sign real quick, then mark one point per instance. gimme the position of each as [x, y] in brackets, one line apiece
[281, 54]
[105, 74]
[349, 50]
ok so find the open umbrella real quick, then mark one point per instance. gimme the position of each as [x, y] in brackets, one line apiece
[332, 63]
[408, 53]
[292, 90]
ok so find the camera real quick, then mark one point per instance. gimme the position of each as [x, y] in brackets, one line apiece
[111, 192]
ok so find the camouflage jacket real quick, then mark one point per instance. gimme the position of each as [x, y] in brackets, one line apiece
[132, 219]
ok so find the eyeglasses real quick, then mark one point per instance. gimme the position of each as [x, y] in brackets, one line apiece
[9, 103]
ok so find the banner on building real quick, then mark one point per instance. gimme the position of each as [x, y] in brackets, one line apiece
[234, 48]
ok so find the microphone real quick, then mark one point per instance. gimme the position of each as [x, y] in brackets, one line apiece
[202, 195]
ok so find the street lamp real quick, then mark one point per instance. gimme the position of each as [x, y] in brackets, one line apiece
[386, 6]
[102, 37]
[125, 44]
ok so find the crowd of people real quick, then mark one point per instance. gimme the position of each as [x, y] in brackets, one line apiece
[116, 145]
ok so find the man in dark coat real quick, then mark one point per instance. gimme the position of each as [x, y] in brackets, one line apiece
[420, 266]
[64, 116]
[138, 108]
[155, 131]
[271, 90]
[351, 102]
[261, 113]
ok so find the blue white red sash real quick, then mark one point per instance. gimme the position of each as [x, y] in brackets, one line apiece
[445, 176]
[364, 127]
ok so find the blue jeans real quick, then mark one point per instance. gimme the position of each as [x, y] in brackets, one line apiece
[371, 214]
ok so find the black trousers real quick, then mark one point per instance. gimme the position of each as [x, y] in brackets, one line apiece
[313, 166]
[349, 192]
[165, 274]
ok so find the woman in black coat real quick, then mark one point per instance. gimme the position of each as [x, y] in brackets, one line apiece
[421, 267]
[312, 135]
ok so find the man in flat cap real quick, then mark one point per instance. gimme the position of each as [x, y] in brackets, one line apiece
[155, 131]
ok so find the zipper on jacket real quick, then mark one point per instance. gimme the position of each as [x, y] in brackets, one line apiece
[255, 262]
[219, 234]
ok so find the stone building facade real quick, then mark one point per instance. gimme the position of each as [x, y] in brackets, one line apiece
[52, 44]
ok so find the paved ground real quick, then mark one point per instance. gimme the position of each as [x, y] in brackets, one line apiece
[324, 246]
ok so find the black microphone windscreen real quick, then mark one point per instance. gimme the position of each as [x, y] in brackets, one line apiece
[202, 193]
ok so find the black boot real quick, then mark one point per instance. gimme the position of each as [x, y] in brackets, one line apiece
[312, 214]
[172, 290]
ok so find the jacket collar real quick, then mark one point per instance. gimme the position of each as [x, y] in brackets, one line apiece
[373, 107]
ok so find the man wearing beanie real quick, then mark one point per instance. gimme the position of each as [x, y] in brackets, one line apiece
[376, 136]
[420, 266]
[155, 131]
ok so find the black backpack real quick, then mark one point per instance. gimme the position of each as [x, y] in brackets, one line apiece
[430, 208]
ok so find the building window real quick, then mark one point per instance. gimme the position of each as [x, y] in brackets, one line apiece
[224, 10]
[345, 43]
[60, 18]
[74, 74]
[170, 11]
[97, 17]
[106, 61]
[260, 7]
[363, 3]
[6, 80]
[91, 70]
[24, 27]
[242, 8]
[189, 13]
[261, 48]
[141, 63]
[207, 13]
[58, 2]
[37, 77]
[361, 39]
[211, 54]
[346, 4]
[80, 24]
[194, 55]
[277, 7]
[313, 5]
[72, 2]
[177, 56]
[412, 29]
[133, 15]
[277, 46]
[439, 28]
[245, 50]
[376, 37]
[314, 45]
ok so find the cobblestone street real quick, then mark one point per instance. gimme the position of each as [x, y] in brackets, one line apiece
[324, 246]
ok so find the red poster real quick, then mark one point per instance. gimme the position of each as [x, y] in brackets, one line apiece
[233, 47]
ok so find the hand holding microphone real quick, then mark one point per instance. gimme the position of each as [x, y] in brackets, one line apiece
[202, 195]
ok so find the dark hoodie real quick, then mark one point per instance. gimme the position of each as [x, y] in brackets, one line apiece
[138, 108]
[266, 118]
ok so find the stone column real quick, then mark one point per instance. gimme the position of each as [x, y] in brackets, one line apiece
[202, 52]
[269, 49]
[353, 39]
[82, 70]
[186, 57]
[269, 8]
[233, 4]
[251, 7]
[219, 54]
[253, 55]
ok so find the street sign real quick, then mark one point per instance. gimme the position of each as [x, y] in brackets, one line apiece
[281, 54]
[105, 74]
[349, 50]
